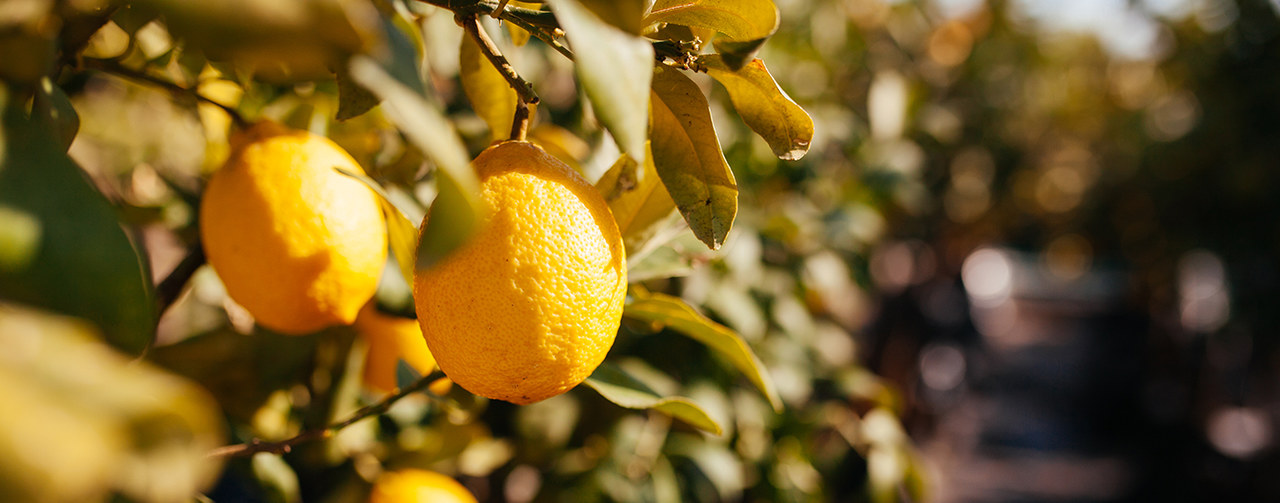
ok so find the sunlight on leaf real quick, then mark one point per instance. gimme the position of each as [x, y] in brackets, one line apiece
[490, 95]
[638, 208]
[618, 387]
[687, 156]
[746, 23]
[764, 106]
[677, 315]
[402, 234]
[614, 69]
[457, 208]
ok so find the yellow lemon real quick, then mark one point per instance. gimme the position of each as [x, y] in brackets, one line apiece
[391, 339]
[530, 306]
[296, 243]
[412, 485]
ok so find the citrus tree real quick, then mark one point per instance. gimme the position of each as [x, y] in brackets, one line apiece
[563, 165]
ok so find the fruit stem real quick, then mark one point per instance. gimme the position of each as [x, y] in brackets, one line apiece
[114, 67]
[520, 122]
[490, 50]
[257, 445]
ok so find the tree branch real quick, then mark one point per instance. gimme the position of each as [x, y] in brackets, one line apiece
[256, 445]
[490, 51]
[171, 286]
[114, 67]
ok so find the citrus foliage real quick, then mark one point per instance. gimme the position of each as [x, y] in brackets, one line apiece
[373, 111]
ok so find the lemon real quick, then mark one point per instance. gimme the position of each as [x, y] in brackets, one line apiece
[529, 307]
[412, 485]
[298, 244]
[391, 339]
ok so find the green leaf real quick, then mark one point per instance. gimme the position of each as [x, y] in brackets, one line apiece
[637, 209]
[618, 387]
[52, 108]
[406, 375]
[278, 478]
[764, 106]
[491, 96]
[675, 314]
[746, 23]
[402, 234]
[614, 69]
[73, 257]
[687, 156]
[457, 210]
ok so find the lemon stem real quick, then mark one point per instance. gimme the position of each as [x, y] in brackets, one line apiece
[520, 122]
[257, 445]
[490, 50]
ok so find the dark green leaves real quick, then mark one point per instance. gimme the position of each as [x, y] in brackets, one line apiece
[687, 156]
[63, 248]
[614, 69]
[764, 106]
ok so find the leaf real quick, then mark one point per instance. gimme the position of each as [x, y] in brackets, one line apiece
[491, 96]
[72, 257]
[53, 109]
[406, 375]
[353, 100]
[616, 386]
[675, 314]
[457, 208]
[626, 15]
[614, 68]
[687, 156]
[746, 23]
[764, 106]
[402, 235]
[636, 209]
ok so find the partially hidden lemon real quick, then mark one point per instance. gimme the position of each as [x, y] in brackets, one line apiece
[391, 339]
[529, 307]
[412, 485]
[298, 244]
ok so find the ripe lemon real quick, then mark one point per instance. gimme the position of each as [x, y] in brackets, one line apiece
[412, 485]
[298, 244]
[530, 306]
[390, 339]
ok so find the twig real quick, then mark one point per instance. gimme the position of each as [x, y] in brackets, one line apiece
[501, 8]
[546, 38]
[491, 51]
[541, 18]
[520, 122]
[171, 286]
[115, 68]
[256, 445]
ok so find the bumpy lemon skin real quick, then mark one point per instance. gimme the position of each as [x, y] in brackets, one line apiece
[391, 339]
[296, 243]
[530, 306]
[412, 485]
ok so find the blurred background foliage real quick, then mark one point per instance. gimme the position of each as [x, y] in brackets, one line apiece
[1030, 256]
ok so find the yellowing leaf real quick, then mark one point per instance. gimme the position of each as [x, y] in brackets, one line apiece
[746, 23]
[764, 106]
[627, 15]
[679, 316]
[491, 97]
[457, 209]
[687, 156]
[614, 69]
[639, 208]
[618, 387]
